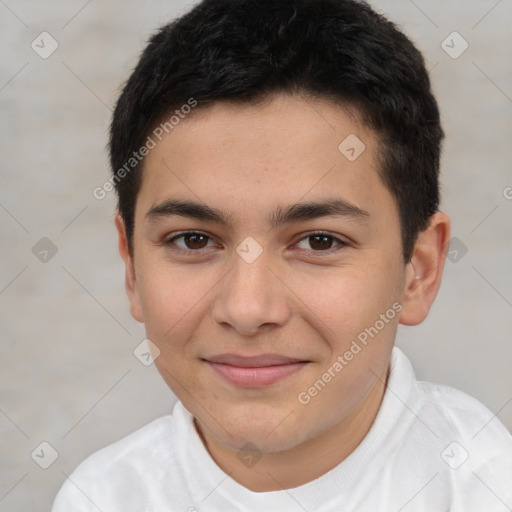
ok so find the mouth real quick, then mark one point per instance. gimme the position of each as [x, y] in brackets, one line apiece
[254, 371]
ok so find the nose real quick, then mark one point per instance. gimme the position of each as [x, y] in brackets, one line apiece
[252, 297]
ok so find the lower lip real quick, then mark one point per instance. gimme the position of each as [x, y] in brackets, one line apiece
[255, 377]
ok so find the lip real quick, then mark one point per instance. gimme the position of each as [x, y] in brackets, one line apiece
[254, 371]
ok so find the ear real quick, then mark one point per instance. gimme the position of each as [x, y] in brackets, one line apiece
[424, 271]
[130, 278]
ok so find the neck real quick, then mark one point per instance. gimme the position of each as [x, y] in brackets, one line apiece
[309, 460]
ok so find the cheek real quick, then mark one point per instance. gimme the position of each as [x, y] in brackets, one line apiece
[359, 341]
[174, 302]
[345, 300]
[171, 298]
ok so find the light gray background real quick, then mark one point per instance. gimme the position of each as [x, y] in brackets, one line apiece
[68, 373]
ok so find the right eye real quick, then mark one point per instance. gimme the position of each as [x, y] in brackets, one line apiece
[191, 242]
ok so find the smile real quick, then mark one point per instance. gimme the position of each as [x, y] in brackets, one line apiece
[254, 372]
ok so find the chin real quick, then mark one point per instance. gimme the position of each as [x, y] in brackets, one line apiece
[270, 430]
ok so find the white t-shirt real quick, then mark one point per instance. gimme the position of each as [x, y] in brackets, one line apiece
[431, 448]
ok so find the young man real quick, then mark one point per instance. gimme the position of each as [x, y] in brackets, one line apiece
[276, 163]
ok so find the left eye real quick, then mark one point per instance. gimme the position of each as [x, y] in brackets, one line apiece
[320, 242]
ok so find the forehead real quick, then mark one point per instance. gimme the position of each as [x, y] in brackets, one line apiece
[249, 158]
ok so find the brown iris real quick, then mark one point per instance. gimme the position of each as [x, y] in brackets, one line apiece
[324, 242]
[194, 240]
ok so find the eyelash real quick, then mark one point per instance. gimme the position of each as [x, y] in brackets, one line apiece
[190, 252]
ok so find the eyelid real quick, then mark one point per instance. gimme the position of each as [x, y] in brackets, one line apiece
[341, 243]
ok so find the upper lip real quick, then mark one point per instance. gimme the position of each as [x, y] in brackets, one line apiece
[253, 361]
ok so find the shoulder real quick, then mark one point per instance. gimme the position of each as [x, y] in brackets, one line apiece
[449, 412]
[454, 412]
[141, 445]
[127, 462]
[474, 448]
[453, 439]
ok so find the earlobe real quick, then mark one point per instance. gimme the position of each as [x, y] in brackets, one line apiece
[131, 284]
[425, 269]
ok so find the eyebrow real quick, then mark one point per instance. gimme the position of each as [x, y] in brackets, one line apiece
[298, 212]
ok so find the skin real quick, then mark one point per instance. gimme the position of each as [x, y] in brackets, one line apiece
[301, 297]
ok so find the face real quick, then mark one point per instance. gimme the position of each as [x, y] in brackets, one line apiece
[262, 253]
